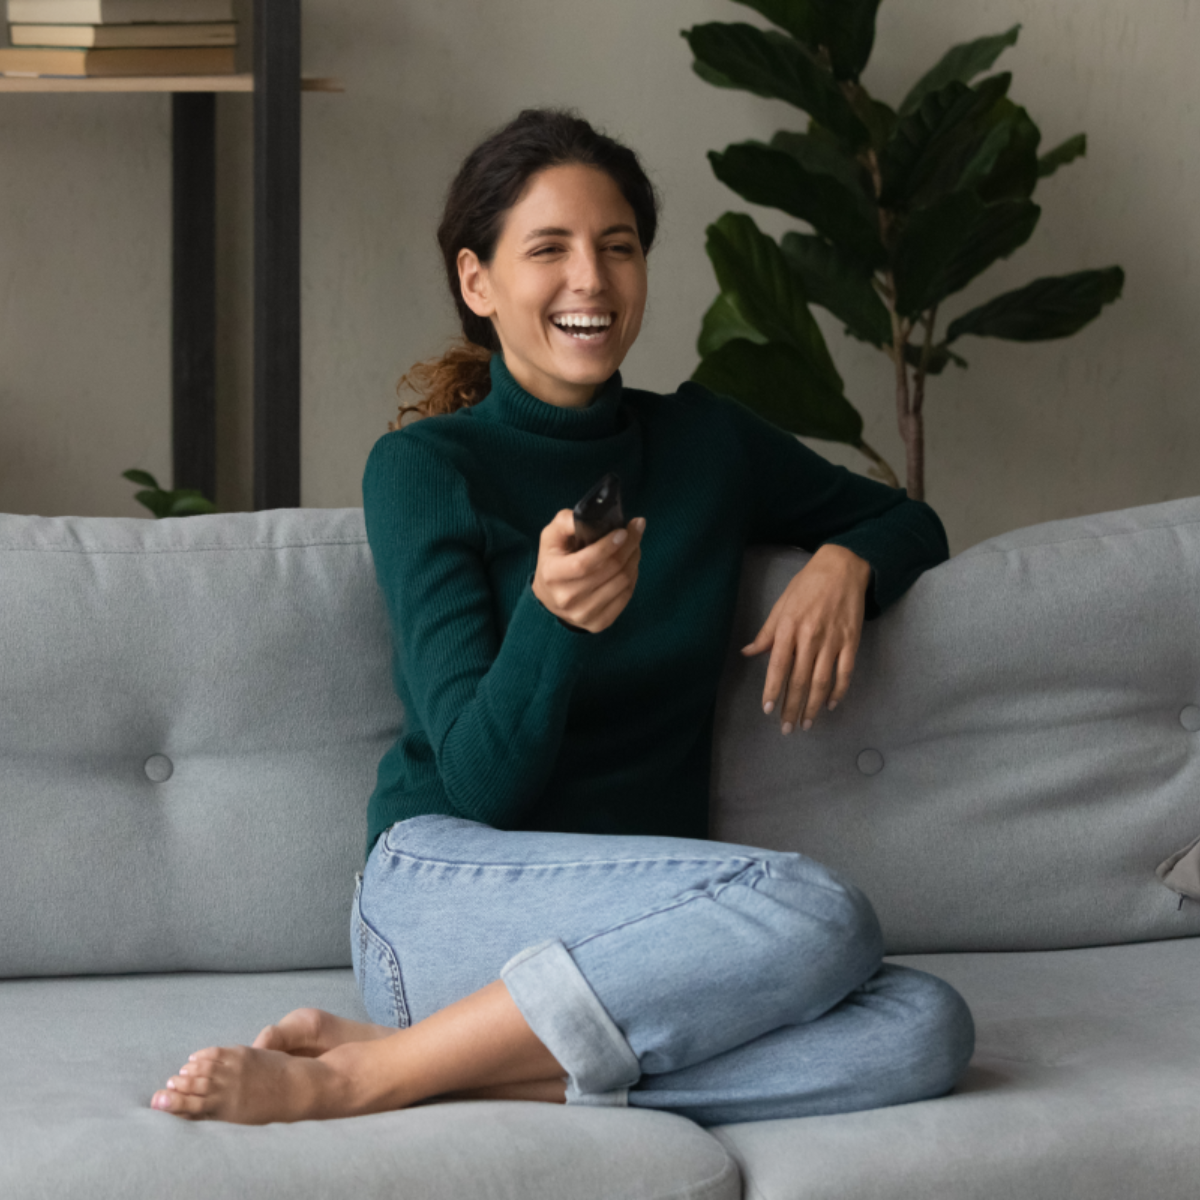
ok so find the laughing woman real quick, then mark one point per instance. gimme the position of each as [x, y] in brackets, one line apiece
[541, 916]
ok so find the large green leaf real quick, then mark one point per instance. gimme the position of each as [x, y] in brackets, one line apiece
[844, 28]
[799, 17]
[929, 150]
[775, 381]
[751, 269]
[927, 245]
[1054, 307]
[960, 63]
[710, 75]
[764, 175]
[829, 158]
[772, 64]
[1014, 173]
[722, 323]
[1073, 148]
[838, 284]
[998, 230]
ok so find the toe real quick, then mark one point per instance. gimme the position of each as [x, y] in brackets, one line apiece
[208, 1054]
[269, 1039]
[178, 1104]
[189, 1085]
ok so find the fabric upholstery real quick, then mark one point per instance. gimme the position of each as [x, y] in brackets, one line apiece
[74, 1121]
[191, 713]
[1017, 752]
[1083, 1084]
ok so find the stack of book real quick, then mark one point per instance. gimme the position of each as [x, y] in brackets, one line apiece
[119, 37]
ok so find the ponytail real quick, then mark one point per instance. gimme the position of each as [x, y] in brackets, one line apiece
[461, 377]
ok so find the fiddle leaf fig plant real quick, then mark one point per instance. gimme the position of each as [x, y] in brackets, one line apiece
[904, 206]
[182, 502]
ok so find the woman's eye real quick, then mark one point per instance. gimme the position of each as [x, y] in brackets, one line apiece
[543, 251]
[620, 247]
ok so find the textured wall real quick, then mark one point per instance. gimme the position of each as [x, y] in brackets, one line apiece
[1029, 433]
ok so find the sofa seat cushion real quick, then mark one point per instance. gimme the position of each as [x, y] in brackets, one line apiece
[1084, 1083]
[81, 1057]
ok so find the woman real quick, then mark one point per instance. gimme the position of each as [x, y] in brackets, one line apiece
[540, 916]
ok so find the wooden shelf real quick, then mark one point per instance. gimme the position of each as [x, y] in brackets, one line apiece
[153, 83]
[276, 85]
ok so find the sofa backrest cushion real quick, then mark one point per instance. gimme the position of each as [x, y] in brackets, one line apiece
[1019, 748]
[191, 714]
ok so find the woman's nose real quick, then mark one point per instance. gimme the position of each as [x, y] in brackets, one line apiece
[587, 273]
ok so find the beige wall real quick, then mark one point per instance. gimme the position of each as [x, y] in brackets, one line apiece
[1105, 420]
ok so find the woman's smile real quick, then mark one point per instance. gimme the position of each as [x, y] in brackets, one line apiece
[566, 286]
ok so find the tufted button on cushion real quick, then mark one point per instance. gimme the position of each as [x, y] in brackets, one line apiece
[159, 768]
[1189, 718]
[870, 762]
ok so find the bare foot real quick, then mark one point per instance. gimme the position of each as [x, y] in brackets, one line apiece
[254, 1087]
[310, 1032]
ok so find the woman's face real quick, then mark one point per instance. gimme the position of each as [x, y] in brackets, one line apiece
[566, 286]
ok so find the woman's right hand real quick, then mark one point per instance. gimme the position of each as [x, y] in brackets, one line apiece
[587, 588]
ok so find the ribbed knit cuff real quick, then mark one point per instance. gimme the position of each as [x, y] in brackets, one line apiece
[900, 546]
[564, 624]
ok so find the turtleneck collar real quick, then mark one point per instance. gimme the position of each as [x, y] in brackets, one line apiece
[509, 403]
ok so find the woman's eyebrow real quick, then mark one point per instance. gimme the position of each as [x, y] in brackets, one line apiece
[554, 231]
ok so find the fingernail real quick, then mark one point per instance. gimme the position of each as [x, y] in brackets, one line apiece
[640, 522]
[619, 537]
[770, 704]
[745, 648]
[807, 725]
[832, 705]
[787, 727]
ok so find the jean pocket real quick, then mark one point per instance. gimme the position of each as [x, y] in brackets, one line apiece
[376, 969]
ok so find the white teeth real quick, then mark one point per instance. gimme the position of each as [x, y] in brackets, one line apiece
[582, 321]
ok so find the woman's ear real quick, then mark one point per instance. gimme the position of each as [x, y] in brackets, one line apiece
[474, 283]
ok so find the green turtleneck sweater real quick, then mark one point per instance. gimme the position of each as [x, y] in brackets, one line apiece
[513, 718]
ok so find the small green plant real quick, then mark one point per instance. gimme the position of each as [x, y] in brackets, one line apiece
[183, 502]
[907, 206]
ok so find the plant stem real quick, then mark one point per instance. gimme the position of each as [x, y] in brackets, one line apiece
[882, 467]
[909, 423]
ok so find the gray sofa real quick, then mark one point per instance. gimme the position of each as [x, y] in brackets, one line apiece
[191, 712]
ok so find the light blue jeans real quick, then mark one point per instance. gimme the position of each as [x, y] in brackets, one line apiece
[721, 982]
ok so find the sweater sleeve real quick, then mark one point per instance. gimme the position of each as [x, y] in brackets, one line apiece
[492, 706]
[796, 497]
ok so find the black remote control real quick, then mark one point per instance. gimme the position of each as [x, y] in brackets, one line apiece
[599, 512]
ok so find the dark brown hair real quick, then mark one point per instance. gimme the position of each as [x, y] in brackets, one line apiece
[488, 184]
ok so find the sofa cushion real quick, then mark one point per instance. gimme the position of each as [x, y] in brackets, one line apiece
[1018, 750]
[80, 1059]
[191, 714]
[1084, 1083]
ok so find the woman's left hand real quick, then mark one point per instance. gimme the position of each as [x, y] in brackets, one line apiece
[813, 633]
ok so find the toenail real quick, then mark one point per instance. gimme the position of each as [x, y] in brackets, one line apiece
[171, 1083]
[160, 1101]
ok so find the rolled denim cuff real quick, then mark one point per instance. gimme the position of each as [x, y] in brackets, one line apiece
[560, 1007]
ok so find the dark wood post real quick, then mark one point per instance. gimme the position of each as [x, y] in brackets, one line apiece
[276, 253]
[193, 291]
